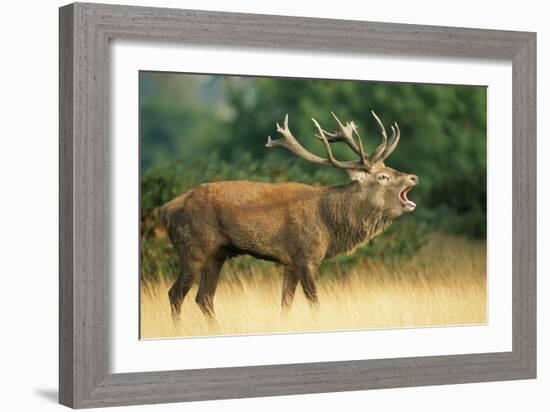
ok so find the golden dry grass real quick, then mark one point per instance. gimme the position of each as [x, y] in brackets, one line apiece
[445, 284]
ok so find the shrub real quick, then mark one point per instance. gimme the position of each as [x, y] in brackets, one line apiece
[459, 204]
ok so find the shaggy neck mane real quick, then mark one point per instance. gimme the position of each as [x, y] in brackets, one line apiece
[351, 219]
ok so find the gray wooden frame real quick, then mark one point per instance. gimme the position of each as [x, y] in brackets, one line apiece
[85, 31]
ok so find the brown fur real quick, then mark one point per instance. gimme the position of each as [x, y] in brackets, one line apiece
[293, 224]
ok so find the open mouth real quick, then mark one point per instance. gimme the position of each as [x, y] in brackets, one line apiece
[408, 205]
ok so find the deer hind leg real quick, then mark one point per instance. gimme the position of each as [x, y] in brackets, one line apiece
[290, 281]
[307, 273]
[208, 283]
[188, 270]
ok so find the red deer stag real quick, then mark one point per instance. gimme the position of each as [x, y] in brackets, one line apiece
[294, 224]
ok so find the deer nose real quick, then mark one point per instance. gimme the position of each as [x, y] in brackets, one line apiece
[414, 178]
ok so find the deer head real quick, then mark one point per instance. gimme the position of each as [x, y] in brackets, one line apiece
[382, 187]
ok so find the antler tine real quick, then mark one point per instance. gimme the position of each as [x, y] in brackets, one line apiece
[362, 153]
[326, 143]
[393, 143]
[375, 155]
[343, 128]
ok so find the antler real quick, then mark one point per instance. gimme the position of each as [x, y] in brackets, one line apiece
[288, 141]
[346, 135]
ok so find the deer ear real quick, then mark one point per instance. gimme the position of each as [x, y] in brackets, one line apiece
[358, 175]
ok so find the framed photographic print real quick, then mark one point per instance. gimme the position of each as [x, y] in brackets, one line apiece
[257, 205]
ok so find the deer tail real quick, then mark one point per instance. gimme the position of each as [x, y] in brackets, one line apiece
[168, 209]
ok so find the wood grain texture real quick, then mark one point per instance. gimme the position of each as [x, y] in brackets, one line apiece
[524, 225]
[66, 183]
[85, 31]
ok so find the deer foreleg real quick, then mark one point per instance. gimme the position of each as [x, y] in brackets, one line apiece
[290, 281]
[307, 274]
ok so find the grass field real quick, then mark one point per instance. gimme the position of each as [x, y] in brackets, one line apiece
[444, 284]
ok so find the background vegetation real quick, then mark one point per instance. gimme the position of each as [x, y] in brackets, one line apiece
[200, 128]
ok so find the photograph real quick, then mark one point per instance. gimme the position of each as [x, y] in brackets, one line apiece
[279, 205]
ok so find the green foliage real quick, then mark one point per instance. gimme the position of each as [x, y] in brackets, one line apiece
[176, 115]
[157, 188]
[459, 203]
[157, 259]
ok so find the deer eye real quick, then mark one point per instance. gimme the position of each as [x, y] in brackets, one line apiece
[383, 178]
